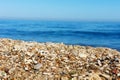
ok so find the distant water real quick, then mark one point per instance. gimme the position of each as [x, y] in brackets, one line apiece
[102, 34]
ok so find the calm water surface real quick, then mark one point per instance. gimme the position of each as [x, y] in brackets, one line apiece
[102, 34]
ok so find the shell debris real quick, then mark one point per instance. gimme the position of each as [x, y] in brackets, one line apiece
[21, 60]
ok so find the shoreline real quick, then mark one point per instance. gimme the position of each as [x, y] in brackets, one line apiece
[84, 45]
[33, 61]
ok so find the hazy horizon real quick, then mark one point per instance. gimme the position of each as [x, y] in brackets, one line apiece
[77, 10]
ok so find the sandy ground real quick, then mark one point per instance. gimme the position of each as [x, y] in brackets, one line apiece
[20, 60]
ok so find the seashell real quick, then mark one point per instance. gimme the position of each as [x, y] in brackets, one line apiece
[74, 78]
[46, 73]
[82, 55]
[99, 62]
[95, 77]
[106, 76]
[26, 68]
[34, 61]
[29, 54]
[118, 74]
[43, 52]
[37, 66]
[16, 47]
[110, 55]
[11, 70]
[3, 74]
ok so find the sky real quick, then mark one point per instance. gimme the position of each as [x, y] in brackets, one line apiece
[83, 10]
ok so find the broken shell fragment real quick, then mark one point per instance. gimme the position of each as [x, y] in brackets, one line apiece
[37, 66]
[82, 55]
[22, 60]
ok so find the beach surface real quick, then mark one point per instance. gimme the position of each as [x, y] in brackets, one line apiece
[21, 60]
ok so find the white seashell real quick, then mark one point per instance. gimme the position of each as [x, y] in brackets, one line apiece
[24, 49]
[42, 52]
[29, 54]
[118, 74]
[93, 56]
[95, 77]
[110, 55]
[99, 62]
[75, 78]
[11, 70]
[37, 66]
[82, 55]
[3, 74]
[26, 68]
[62, 50]
[16, 47]
[35, 61]
[45, 73]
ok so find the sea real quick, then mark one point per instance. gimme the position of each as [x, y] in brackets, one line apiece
[96, 34]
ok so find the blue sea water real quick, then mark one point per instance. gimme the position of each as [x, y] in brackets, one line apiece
[100, 34]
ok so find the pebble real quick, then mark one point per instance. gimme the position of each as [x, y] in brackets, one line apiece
[3, 74]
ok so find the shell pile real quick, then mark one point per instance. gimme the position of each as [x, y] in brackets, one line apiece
[21, 60]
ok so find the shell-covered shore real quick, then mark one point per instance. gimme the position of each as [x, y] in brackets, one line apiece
[21, 60]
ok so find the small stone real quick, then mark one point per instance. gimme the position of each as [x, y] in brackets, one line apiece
[114, 71]
[3, 74]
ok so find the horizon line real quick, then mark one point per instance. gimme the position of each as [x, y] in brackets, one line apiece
[50, 19]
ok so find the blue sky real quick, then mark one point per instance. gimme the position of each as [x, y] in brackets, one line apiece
[86, 10]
